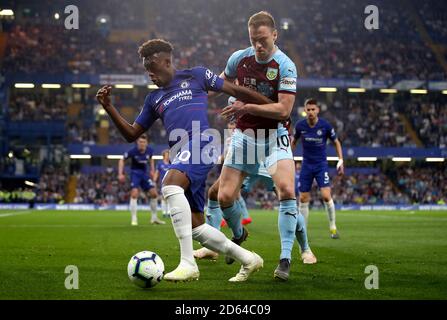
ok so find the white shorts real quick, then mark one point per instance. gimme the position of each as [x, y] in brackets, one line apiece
[249, 154]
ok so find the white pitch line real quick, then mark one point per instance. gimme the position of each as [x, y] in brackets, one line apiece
[16, 213]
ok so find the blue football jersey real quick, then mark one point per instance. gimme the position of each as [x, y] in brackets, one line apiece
[180, 103]
[139, 159]
[162, 169]
[314, 140]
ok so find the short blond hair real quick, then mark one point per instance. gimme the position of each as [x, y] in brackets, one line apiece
[262, 18]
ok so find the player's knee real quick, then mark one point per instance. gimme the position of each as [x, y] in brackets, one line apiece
[171, 190]
[304, 197]
[286, 191]
[134, 193]
[225, 198]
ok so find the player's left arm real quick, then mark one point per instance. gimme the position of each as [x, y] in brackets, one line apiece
[339, 151]
[244, 94]
[280, 110]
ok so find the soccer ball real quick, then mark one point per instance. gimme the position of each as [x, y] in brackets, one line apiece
[146, 269]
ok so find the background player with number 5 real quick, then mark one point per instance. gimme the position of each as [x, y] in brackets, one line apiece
[314, 132]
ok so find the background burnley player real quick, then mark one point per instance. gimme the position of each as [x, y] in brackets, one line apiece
[265, 68]
[140, 155]
[314, 132]
[184, 183]
[160, 172]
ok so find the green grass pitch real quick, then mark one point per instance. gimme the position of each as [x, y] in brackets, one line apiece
[409, 249]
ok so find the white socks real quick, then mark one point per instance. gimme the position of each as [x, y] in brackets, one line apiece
[304, 209]
[164, 207]
[153, 203]
[180, 213]
[133, 206]
[330, 209]
[216, 241]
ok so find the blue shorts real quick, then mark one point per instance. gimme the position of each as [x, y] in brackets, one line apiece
[247, 154]
[309, 172]
[141, 180]
[196, 171]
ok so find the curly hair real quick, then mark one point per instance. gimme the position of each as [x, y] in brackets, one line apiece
[153, 46]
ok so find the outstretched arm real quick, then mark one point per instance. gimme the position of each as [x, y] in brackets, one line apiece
[129, 131]
[244, 94]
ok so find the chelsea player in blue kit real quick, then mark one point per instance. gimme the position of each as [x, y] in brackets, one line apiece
[140, 155]
[181, 103]
[160, 172]
[314, 133]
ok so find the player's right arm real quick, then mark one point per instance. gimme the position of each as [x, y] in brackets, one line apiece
[130, 132]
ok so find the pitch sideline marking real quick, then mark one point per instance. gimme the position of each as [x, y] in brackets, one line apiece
[16, 213]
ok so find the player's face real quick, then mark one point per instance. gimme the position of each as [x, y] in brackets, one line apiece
[311, 111]
[158, 68]
[166, 156]
[141, 144]
[263, 41]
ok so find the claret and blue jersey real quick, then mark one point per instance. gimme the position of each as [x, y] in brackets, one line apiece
[178, 105]
[270, 78]
[314, 140]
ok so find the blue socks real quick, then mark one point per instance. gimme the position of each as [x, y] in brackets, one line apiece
[301, 233]
[287, 223]
[232, 216]
[214, 214]
[245, 214]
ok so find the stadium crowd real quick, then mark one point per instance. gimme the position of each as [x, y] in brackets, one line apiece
[327, 45]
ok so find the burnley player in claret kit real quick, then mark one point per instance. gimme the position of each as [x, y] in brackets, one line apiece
[314, 132]
[265, 68]
[140, 155]
[181, 102]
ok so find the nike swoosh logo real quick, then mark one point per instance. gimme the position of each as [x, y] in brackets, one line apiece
[213, 207]
[174, 214]
[290, 214]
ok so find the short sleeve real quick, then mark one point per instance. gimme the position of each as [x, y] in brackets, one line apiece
[147, 114]
[288, 77]
[150, 151]
[232, 63]
[331, 132]
[208, 79]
